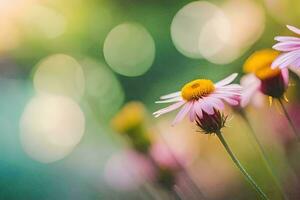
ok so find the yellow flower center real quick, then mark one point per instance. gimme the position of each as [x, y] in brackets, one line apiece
[260, 62]
[260, 59]
[130, 116]
[197, 89]
[266, 73]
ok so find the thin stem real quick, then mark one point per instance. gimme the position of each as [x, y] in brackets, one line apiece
[264, 156]
[240, 166]
[288, 118]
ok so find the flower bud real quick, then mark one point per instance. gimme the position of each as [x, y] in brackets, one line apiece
[210, 124]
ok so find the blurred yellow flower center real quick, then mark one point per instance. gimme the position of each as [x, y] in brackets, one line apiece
[260, 60]
[131, 115]
[266, 73]
[260, 63]
[197, 89]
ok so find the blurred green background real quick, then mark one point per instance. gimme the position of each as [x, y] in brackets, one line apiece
[98, 55]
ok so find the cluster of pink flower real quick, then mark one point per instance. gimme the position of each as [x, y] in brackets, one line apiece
[266, 74]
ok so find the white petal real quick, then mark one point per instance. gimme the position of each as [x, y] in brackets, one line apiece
[294, 29]
[169, 108]
[171, 95]
[226, 81]
[175, 99]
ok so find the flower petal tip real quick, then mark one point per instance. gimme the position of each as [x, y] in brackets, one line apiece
[274, 66]
[293, 29]
[234, 75]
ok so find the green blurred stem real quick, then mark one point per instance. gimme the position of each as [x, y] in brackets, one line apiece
[288, 118]
[263, 155]
[240, 166]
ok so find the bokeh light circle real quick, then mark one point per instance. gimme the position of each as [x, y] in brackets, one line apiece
[187, 26]
[284, 11]
[224, 39]
[103, 90]
[129, 49]
[50, 127]
[44, 21]
[215, 33]
[59, 74]
[239, 13]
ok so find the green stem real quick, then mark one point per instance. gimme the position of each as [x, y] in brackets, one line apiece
[264, 155]
[288, 118]
[241, 168]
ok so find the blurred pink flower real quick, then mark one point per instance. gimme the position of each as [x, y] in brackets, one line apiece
[291, 47]
[128, 170]
[163, 156]
[251, 93]
[254, 88]
[201, 95]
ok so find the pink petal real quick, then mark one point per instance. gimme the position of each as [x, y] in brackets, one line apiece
[228, 92]
[290, 59]
[198, 109]
[285, 59]
[169, 108]
[251, 86]
[232, 100]
[229, 89]
[182, 113]
[207, 106]
[226, 81]
[296, 63]
[286, 38]
[192, 113]
[287, 46]
[216, 103]
[227, 95]
[294, 29]
[285, 75]
[247, 96]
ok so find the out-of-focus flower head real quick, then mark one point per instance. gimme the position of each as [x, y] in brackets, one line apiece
[128, 170]
[261, 78]
[200, 97]
[131, 116]
[130, 121]
[163, 156]
[290, 46]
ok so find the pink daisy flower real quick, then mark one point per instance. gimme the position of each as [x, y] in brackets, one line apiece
[200, 97]
[290, 46]
[261, 78]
